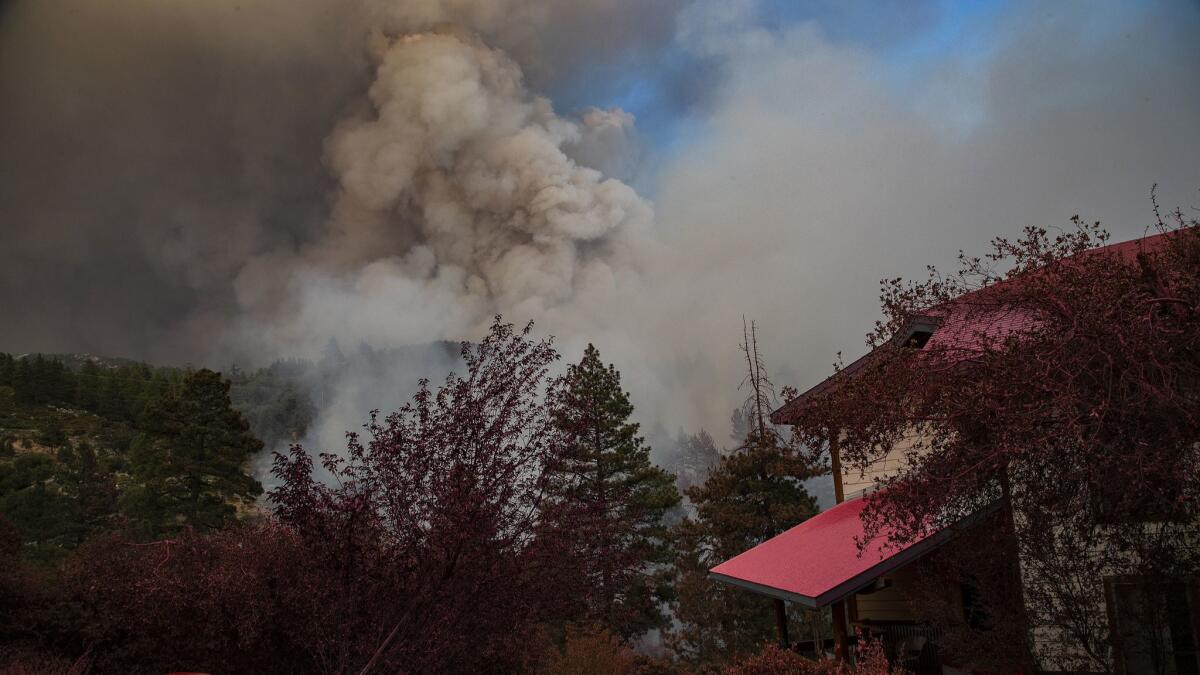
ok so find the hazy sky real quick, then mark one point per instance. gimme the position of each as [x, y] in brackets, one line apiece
[199, 182]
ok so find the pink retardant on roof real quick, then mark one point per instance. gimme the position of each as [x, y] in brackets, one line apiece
[818, 561]
[967, 323]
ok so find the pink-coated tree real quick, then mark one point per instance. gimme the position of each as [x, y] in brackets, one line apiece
[426, 535]
[1060, 389]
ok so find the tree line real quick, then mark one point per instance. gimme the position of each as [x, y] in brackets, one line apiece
[106, 447]
[493, 522]
[115, 390]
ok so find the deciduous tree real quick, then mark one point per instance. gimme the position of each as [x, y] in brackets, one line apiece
[1061, 384]
[427, 533]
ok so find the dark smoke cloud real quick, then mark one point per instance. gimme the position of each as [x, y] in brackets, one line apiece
[203, 180]
[148, 150]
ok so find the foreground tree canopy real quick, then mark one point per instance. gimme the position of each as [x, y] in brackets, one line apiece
[468, 531]
[428, 534]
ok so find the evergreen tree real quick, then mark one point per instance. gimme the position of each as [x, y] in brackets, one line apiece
[87, 388]
[7, 366]
[693, 458]
[22, 381]
[112, 403]
[154, 388]
[40, 379]
[31, 497]
[51, 432]
[190, 467]
[739, 425]
[610, 501]
[751, 495]
[94, 488]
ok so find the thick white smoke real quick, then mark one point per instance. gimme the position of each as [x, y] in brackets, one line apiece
[456, 201]
[256, 180]
[823, 166]
[462, 194]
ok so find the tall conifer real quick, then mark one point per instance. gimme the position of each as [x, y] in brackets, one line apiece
[751, 495]
[609, 501]
[190, 467]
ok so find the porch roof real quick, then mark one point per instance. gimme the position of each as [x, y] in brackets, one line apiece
[817, 562]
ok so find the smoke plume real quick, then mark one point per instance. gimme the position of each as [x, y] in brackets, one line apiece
[245, 179]
[157, 158]
[456, 200]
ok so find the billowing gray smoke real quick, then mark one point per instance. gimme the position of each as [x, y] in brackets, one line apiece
[244, 179]
[163, 170]
[456, 201]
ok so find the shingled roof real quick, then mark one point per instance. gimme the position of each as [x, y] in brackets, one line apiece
[961, 326]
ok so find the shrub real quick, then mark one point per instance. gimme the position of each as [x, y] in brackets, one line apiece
[591, 651]
[773, 660]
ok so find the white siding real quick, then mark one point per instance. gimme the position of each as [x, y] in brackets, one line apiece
[855, 482]
[888, 604]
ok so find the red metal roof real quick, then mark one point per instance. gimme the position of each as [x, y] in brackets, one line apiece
[818, 561]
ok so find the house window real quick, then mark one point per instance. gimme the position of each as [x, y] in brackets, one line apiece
[1154, 626]
[974, 611]
[919, 337]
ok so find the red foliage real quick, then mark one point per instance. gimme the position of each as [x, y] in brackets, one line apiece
[27, 663]
[232, 601]
[773, 660]
[416, 554]
[425, 542]
[591, 651]
[1064, 391]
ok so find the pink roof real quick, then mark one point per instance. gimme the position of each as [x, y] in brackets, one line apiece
[818, 561]
[963, 324]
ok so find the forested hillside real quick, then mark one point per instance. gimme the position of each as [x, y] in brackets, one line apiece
[134, 537]
[89, 445]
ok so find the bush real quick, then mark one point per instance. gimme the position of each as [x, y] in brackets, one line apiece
[773, 660]
[591, 651]
[31, 663]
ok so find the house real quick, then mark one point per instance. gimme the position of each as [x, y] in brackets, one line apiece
[827, 561]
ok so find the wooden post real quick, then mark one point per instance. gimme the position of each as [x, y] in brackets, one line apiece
[781, 624]
[835, 467]
[841, 639]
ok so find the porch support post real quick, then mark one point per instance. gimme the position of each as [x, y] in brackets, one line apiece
[841, 639]
[781, 623]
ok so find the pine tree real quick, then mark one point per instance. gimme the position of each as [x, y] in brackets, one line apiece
[7, 366]
[51, 432]
[111, 401]
[610, 501]
[190, 467]
[753, 494]
[40, 379]
[153, 389]
[693, 457]
[93, 487]
[22, 381]
[757, 492]
[87, 388]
